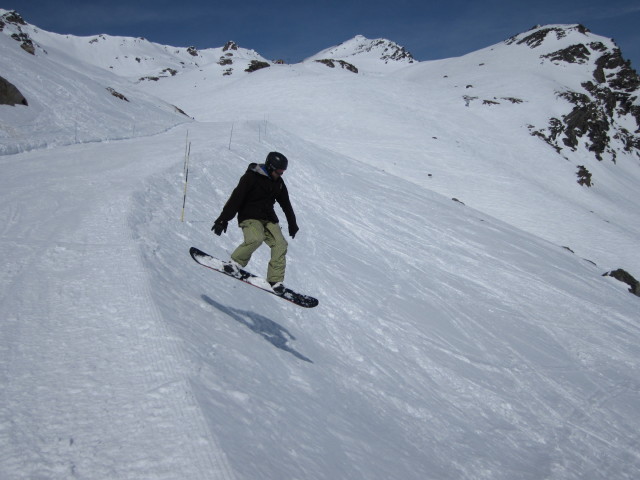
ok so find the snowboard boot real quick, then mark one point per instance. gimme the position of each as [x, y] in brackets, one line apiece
[231, 267]
[277, 287]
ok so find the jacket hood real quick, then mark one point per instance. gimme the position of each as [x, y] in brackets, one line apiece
[258, 168]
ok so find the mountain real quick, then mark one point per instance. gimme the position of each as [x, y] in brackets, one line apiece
[135, 59]
[447, 225]
[378, 54]
[586, 77]
[605, 105]
[110, 68]
[62, 103]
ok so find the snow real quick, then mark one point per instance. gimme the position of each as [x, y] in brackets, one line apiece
[453, 340]
[373, 55]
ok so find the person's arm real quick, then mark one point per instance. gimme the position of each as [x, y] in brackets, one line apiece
[285, 204]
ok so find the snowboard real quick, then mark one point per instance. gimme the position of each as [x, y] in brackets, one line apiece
[213, 263]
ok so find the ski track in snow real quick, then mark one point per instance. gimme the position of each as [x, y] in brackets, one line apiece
[93, 364]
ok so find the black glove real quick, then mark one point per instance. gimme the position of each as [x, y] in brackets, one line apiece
[219, 226]
[293, 229]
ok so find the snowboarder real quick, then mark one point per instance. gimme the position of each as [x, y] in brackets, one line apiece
[253, 201]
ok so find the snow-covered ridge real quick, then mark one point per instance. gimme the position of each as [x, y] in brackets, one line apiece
[368, 53]
[130, 57]
[589, 71]
[66, 99]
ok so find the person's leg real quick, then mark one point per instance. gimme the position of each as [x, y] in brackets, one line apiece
[276, 241]
[254, 235]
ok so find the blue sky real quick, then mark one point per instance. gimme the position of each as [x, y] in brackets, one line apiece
[293, 30]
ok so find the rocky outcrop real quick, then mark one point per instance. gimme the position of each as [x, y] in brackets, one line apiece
[10, 95]
[12, 17]
[584, 176]
[332, 64]
[230, 45]
[539, 35]
[14, 20]
[573, 54]
[256, 65]
[626, 277]
[117, 94]
[611, 93]
[391, 51]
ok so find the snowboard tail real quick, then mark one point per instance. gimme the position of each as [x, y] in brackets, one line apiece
[218, 265]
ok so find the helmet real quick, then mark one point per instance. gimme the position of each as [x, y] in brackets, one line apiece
[276, 161]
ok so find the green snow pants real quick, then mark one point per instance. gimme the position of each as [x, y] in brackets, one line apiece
[255, 233]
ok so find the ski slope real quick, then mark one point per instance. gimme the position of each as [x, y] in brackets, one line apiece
[447, 344]
[453, 340]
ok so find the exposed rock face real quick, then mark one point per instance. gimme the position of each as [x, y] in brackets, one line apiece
[14, 20]
[230, 45]
[234, 55]
[391, 51]
[584, 176]
[256, 65]
[117, 94]
[10, 95]
[332, 64]
[626, 277]
[539, 35]
[612, 93]
[573, 54]
[11, 17]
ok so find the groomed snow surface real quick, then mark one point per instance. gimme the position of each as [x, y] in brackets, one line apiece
[453, 340]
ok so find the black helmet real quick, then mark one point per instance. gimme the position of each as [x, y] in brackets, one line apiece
[276, 161]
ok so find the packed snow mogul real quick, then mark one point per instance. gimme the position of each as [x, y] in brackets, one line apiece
[253, 201]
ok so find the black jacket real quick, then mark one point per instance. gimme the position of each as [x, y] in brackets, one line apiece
[255, 197]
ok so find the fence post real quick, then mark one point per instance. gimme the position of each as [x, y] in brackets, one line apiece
[186, 179]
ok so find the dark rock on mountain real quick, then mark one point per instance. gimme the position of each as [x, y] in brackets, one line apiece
[181, 112]
[588, 118]
[14, 18]
[625, 78]
[573, 54]
[626, 277]
[392, 51]
[612, 92]
[10, 95]
[25, 42]
[332, 63]
[584, 176]
[536, 38]
[256, 65]
[117, 94]
[230, 45]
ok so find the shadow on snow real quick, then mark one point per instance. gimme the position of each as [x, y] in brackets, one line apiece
[275, 334]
